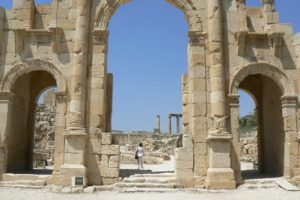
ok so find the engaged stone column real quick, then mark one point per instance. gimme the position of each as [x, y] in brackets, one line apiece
[219, 175]
[5, 122]
[75, 136]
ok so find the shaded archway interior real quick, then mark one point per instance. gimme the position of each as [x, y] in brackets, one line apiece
[27, 88]
[270, 131]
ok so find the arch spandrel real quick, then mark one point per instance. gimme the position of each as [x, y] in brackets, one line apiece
[284, 82]
[31, 65]
[108, 8]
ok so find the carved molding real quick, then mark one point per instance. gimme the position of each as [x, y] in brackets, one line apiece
[53, 34]
[30, 65]
[271, 71]
[107, 8]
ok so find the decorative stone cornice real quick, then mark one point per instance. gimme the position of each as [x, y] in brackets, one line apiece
[274, 39]
[52, 34]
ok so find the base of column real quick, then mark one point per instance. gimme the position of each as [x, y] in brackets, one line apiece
[73, 175]
[220, 178]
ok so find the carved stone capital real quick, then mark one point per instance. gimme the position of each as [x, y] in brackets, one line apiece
[100, 37]
[289, 101]
[75, 119]
[234, 100]
[6, 96]
[219, 127]
[61, 97]
[197, 38]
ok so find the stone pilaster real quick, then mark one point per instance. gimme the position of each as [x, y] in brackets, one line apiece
[98, 83]
[60, 127]
[219, 175]
[289, 114]
[75, 135]
[234, 106]
[5, 112]
[197, 86]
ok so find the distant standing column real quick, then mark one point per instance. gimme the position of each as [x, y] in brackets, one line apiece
[158, 123]
[170, 125]
[178, 124]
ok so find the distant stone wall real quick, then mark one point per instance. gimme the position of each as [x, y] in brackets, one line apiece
[44, 132]
[249, 148]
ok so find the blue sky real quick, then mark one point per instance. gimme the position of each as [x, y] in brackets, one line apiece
[148, 55]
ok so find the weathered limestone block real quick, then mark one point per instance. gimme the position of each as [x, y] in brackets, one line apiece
[95, 145]
[184, 164]
[200, 148]
[104, 160]
[184, 154]
[114, 161]
[106, 138]
[109, 172]
[110, 149]
[110, 181]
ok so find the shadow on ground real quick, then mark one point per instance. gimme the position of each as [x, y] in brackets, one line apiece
[255, 174]
[129, 172]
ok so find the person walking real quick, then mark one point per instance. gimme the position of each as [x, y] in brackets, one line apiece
[140, 154]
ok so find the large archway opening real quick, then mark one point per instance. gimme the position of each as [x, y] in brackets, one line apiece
[21, 139]
[147, 57]
[270, 130]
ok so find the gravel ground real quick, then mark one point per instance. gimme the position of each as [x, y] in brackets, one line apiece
[242, 193]
[239, 194]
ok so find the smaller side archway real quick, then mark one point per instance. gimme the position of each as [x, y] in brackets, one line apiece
[24, 84]
[272, 90]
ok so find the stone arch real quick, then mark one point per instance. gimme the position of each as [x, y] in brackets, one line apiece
[31, 65]
[109, 7]
[273, 72]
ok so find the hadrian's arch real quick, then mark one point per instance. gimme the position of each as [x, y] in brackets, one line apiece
[71, 36]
